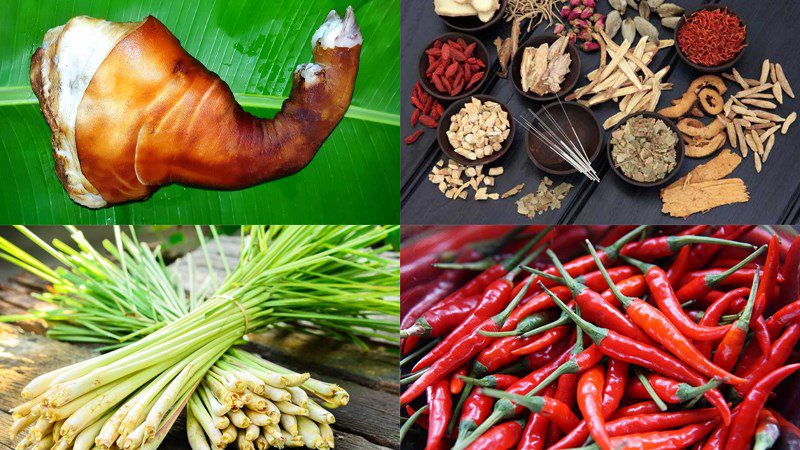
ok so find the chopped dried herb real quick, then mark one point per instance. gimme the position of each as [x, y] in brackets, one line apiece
[643, 148]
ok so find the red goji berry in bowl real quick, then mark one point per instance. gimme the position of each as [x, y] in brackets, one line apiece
[734, 25]
[453, 66]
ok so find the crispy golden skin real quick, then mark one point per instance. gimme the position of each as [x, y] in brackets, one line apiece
[154, 115]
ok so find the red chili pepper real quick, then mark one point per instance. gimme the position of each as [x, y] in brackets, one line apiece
[717, 438]
[767, 430]
[635, 286]
[659, 327]
[501, 351]
[781, 350]
[517, 321]
[547, 339]
[761, 333]
[787, 427]
[468, 346]
[664, 246]
[596, 309]
[477, 407]
[565, 392]
[656, 440]
[740, 278]
[744, 421]
[626, 349]
[731, 346]
[698, 288]
[500, 437]
[668, 390]
[614, 233]
[456, 383]
[679, 266]
[443, 317]
[762, 235]
[786, 315]
[438, 415]
[714, 313]
[766, 291]
[557, 412]
[535, 433]
[702, 253]
[647, 407]
[645, 418]
[590, 389]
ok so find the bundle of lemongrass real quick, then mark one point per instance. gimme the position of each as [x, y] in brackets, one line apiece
[129, 398]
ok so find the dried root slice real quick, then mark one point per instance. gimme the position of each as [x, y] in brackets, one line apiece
[700, 148]
[717, 168]
[708, 80]
[679, 106]
[694, 198]
[695, 128]
[711, 101]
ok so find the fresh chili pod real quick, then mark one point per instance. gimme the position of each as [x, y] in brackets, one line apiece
[679, 266]
[478, 406]
[534, 436]
[766, 291]
[664, 246]
[787, 427]
[501, 351]
[590, 392]
[744, 421]
[592, 280]
[595, 308]
[781, 351]
[762, 235]
[635, 286]
[614, 233]
[566, 392]
[657, 440]
[729, 350]
[439, 414]
[463, 350]
[767, 430]
[650, 391]
[714, 313]
[702, 253]
[624, 348]
[547, 339]
[413, 418]
[790, 290]
[741, 278]
[585, 264]
[659, 327]
[670, 305]
[557, 412]
[669, 390]
[501, 437]
[761, 334]
[646, 420]
[456, 383]
[646, 407]
[783, 317]
[443, 317]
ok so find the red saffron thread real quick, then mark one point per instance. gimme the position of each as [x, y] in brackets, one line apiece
[711, 37]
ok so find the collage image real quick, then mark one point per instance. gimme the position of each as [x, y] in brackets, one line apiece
[399, 225]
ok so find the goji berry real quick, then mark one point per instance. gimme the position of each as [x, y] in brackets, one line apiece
[411, 138]
[414, 117]
[428, 121]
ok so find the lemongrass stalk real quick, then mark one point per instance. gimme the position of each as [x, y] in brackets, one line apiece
[41, 428]
[274, 431]
[229, 435]
[291, 408]
[318, 413]
[211, 402]
[45, 444]
[261, 442]
[54, 414]
[309, 432]
[85, 439]
[253, 383]
[277, 394]
[61, 444]
[219, 392]
[138, 405]
[268, 377]
[261, 419]
[299, 396]
[243, 442]
[108, 433]
[195, 433]
[292, 441]
[27, 408]
[255, 402]
[204, 419]
[24, 443]
[57, 429]
[326, 432]
[252, 432]
[221, 422]
[289, 423]
[239, 418]
[20, 424]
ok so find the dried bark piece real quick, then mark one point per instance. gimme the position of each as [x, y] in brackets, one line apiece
[701, 197]
[716, 168]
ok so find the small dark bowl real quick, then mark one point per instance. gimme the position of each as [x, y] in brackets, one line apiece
[444, 127]
[569, 81]
[480, 52]
[679, 150]
[472, 23]
[587, 128]
[707, 69]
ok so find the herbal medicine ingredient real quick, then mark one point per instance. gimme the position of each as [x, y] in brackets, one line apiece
[711, 37]
[644, 149]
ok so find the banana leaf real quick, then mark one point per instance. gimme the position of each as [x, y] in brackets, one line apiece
[254, 46]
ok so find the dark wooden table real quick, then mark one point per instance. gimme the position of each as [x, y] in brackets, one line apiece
[772, 28]
[368, 422]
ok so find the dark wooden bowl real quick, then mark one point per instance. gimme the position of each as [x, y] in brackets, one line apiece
[480, 52]
[569, 81]
[707, 69]
[444, 126]
[679, 149]
[586, 127]
[472, 23]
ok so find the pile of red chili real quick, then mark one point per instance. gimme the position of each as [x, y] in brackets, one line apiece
[622, 337]
[711, 37]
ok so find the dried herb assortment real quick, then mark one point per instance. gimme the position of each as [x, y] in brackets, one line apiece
[543, 199]
[643, 148]
[626, 337]
[478, 129]
[544, 67]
